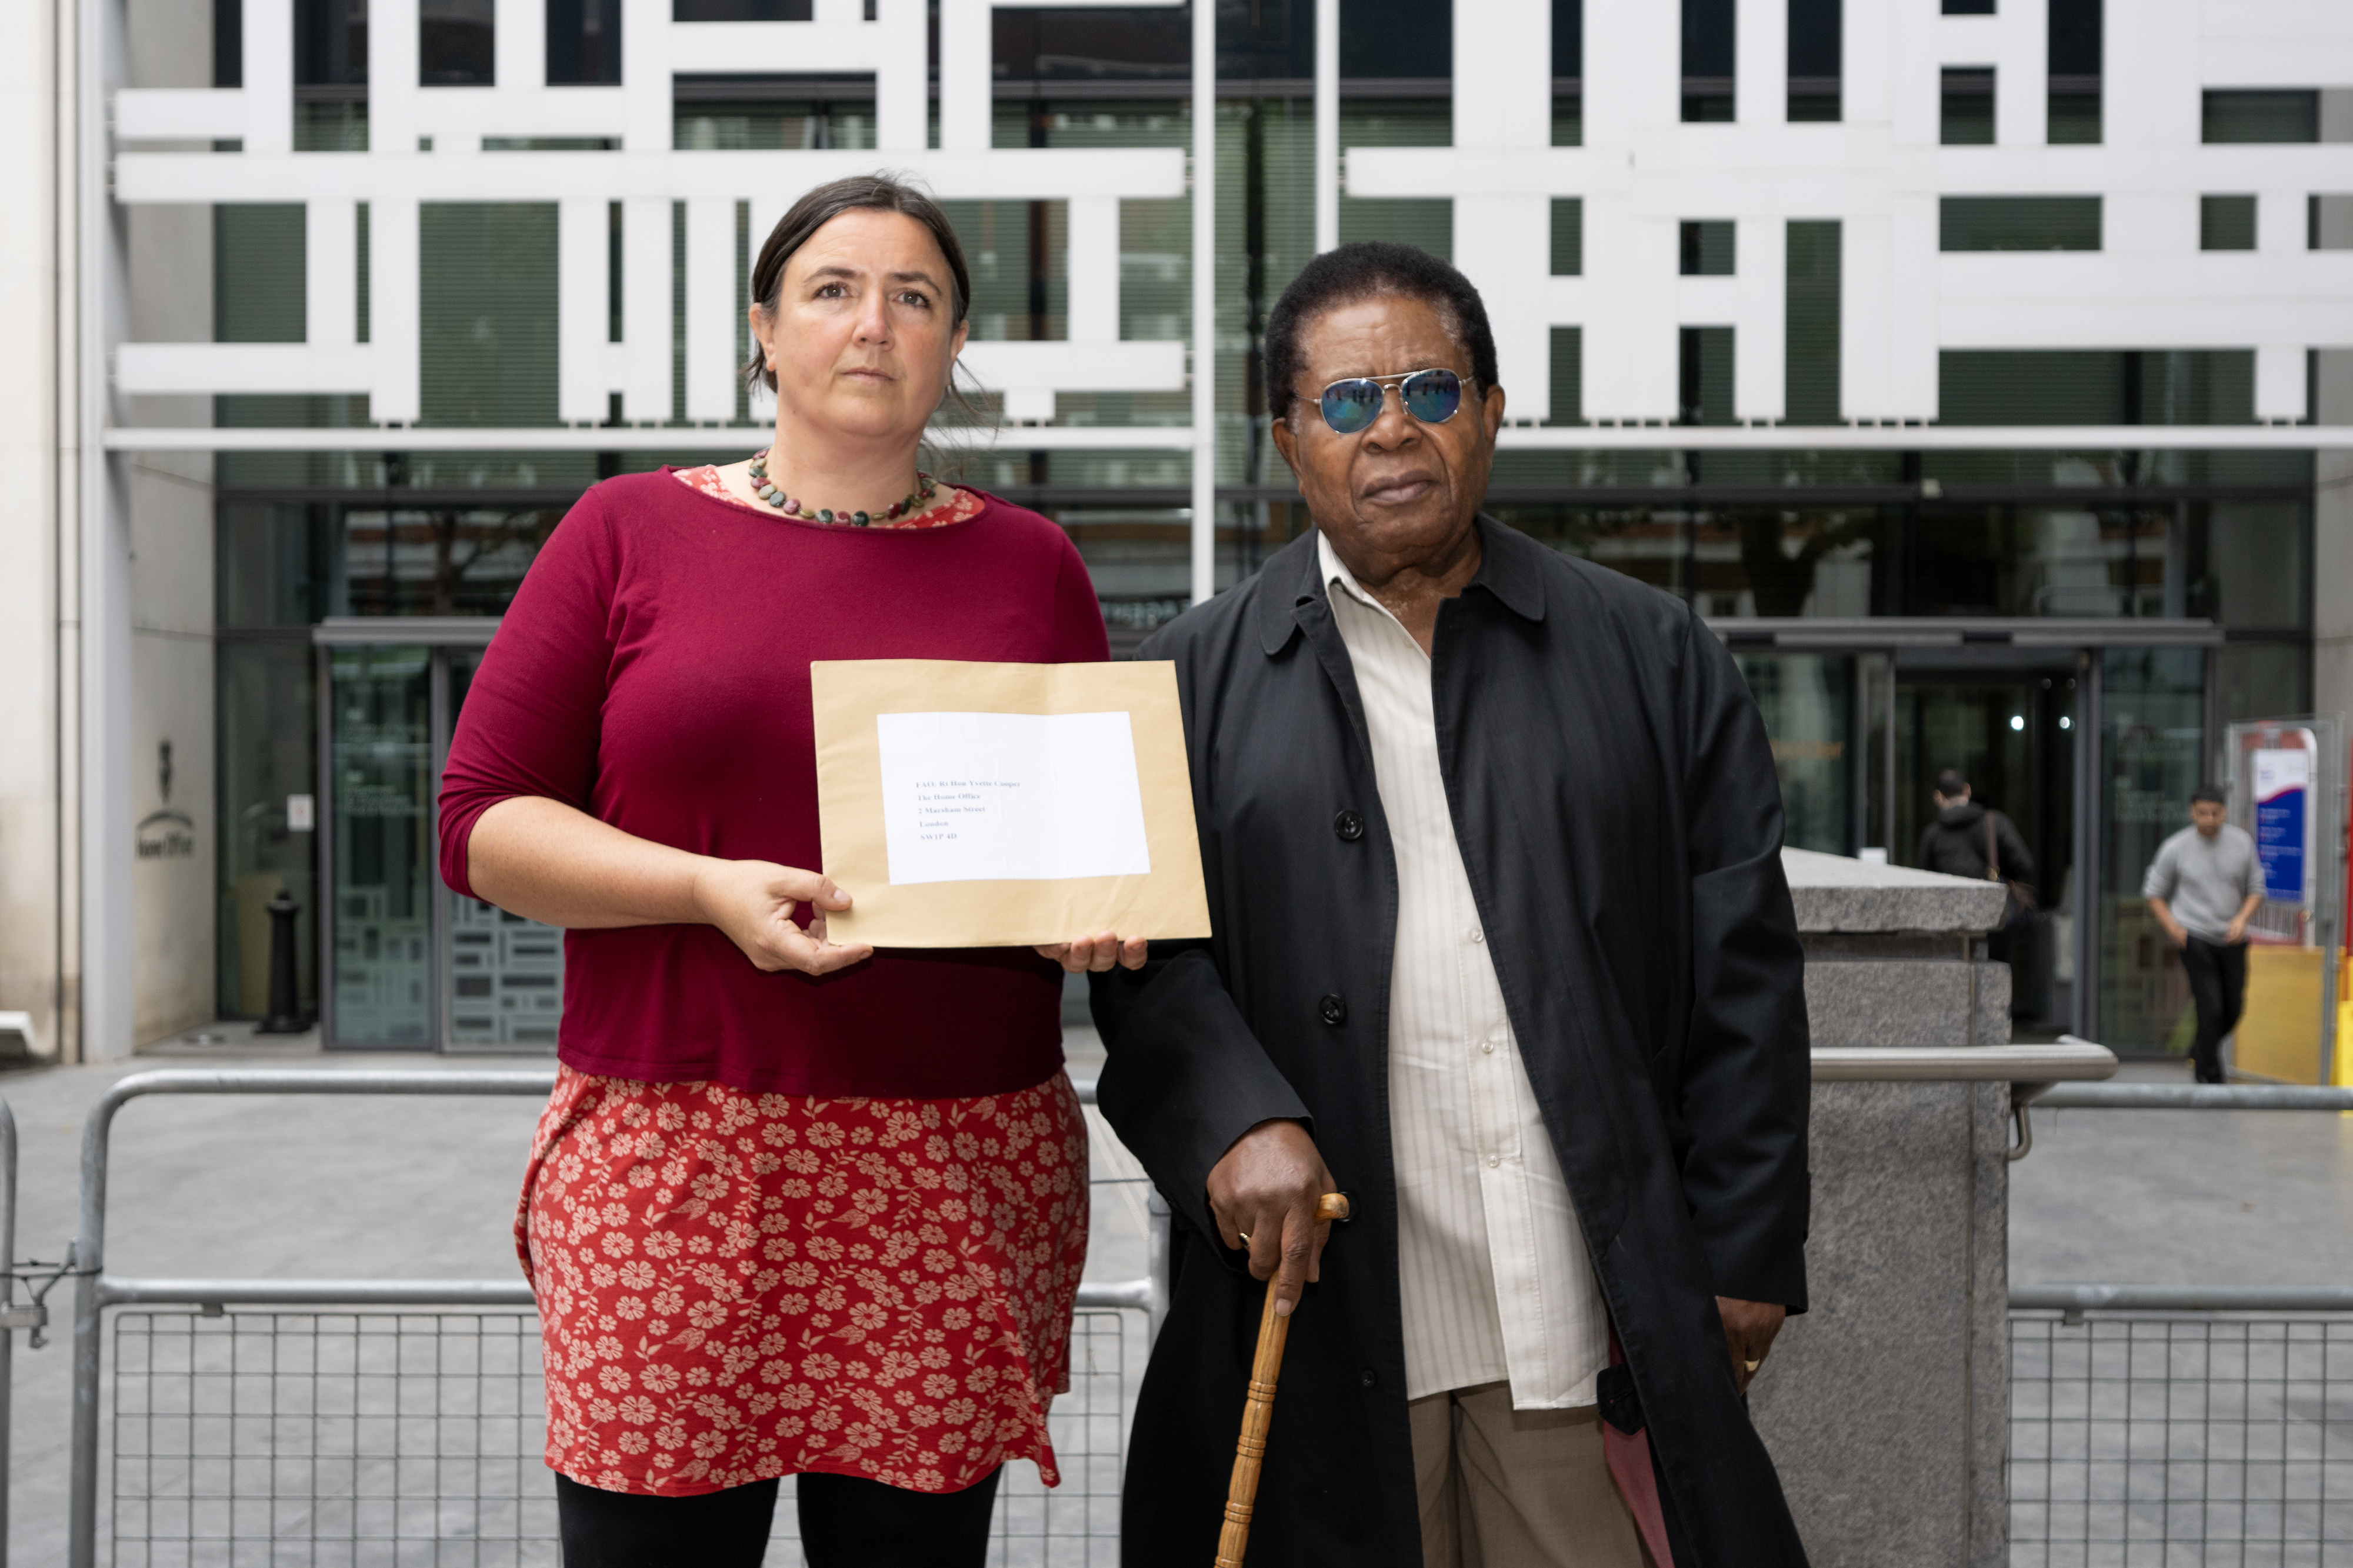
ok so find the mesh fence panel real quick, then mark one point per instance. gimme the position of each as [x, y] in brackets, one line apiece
[269, 1439]
[2163, 1441]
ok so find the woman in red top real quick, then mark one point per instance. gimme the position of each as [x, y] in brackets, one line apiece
[795, 1208]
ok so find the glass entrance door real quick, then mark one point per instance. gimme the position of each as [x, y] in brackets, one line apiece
[506, 973]
[378, 804]
[2152, 754]
[413, 965]
[2005, 720]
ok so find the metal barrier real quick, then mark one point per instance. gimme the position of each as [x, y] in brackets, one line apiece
[2179, 1426]
[2182, 1424]
[261, 1426]
[287, 1417]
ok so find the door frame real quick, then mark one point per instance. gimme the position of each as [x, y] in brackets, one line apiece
[2086, 635]
[436, 634]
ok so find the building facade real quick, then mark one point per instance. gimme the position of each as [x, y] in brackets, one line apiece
[1981, 369]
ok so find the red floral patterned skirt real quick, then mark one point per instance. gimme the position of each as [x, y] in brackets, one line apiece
[734, 1287]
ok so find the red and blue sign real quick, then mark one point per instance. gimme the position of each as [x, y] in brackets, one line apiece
[2283, 793]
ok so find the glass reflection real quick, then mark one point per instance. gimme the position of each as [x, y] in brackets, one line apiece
[380, 763]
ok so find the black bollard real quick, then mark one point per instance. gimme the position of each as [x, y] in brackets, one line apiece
[283, 1019]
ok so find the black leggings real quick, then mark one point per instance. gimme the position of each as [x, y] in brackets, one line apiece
[845, 1520]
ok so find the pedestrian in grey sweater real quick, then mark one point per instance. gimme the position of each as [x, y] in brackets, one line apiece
[2203, 888]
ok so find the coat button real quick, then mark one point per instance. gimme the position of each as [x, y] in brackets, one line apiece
[1334, 1010]
[1366, 1377]
[1349, 826]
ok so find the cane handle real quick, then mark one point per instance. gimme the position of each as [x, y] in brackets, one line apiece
[1257, 1411]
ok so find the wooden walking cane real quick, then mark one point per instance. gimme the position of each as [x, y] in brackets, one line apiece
[1258, 1412]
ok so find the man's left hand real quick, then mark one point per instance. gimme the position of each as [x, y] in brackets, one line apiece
[1748, 1331]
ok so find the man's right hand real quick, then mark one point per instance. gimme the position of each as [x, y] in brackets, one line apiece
[1263, 1196]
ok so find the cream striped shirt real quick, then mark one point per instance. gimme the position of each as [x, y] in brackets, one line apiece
[1493, 1270]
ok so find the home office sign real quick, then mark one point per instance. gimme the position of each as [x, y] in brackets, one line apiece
[166, 833]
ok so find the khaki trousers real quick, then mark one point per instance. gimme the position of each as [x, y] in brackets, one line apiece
[1501, 1487]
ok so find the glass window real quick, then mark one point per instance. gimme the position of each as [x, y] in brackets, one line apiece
[1704, 375]
[771, 113]
[1810, 316]
[2072, 386]
[2241, 116]
[1017, 253]
[268, 738]
[1708, 59]
[380, 765]
[584, 42]
[2075, 59]
[1567, 73]
[2152, 741]
[2247, 563]
[1567, 376]
[2018, 223]
[1567, 236]
[442, 560]
[2226, 223]
[1707, 248]
[229, 43]
[331, 43]
[1652, 544]
[1807, 702]
[486, 296]
[2072, 116]
[1816, 30]
[2000, 560]
[259, 251]
[506, 973]
[331, 124]
[1382, 38]
[2255, 680]
[456, 43]
[741, 10]
[1967, 109]
[270, 564]
[1776, 561]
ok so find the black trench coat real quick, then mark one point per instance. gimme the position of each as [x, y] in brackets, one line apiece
[1615, 800]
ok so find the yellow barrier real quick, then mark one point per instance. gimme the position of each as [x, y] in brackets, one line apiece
[2279, 1035]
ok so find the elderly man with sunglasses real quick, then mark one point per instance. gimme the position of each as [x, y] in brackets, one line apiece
[1504, 951]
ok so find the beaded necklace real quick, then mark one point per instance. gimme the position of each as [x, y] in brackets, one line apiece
[917, 499]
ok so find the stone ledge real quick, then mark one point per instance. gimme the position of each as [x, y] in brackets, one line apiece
[1937, 1004]
[1833, 893]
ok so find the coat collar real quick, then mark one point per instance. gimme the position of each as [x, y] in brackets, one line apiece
[1510, 568]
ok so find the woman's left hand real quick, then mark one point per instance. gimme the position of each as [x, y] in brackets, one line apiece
[1097, 954]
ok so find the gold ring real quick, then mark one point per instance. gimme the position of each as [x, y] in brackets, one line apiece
[1245, 1236]
[1752, 1365]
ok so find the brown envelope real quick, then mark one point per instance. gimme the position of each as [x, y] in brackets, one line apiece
[852, 696]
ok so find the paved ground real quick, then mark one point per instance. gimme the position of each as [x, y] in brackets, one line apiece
[2184, 1197]
[405, 1187]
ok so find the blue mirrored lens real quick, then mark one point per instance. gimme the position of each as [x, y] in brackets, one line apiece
[1432, 395]
[1351, 405]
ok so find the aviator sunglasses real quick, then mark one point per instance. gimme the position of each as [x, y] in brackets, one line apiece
[1432, 396]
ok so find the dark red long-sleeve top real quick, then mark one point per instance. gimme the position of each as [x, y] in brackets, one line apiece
[653, 671]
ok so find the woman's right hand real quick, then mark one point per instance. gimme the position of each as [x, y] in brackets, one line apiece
[753, 901]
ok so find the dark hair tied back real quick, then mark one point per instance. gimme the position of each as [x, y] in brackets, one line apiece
[879, 193]
[1361, 270]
